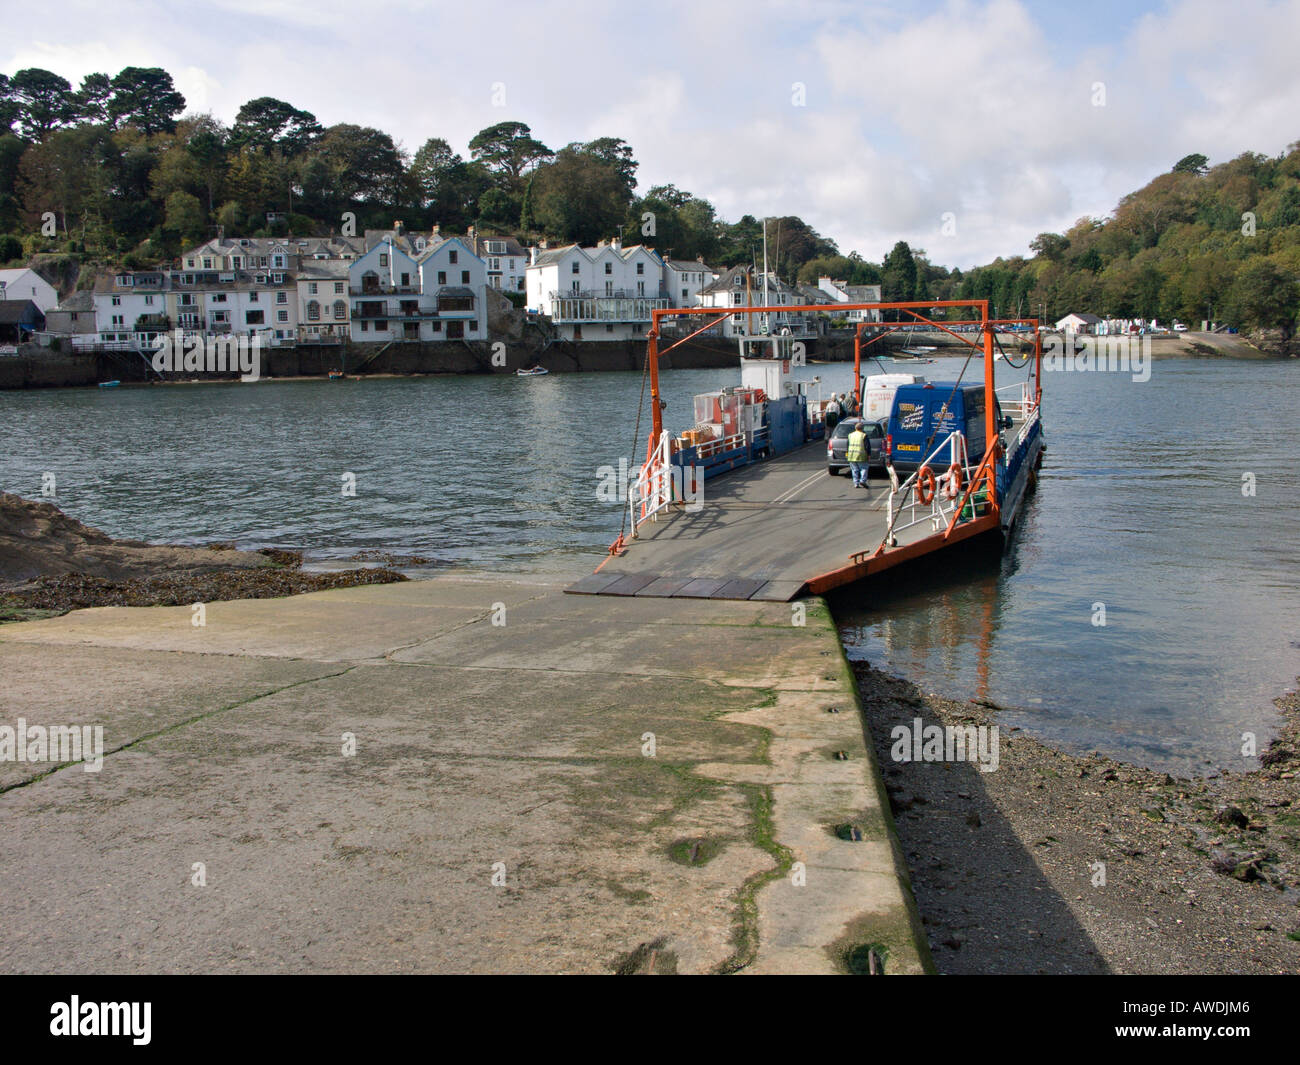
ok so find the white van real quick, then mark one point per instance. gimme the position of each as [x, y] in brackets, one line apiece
[878, 393]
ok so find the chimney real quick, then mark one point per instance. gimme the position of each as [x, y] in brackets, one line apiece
[470, 234]
[398, 227]
[543, 244]
[616, 243]
[532, 256]
[437, 231]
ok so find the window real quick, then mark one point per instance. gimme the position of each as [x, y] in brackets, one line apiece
[383, 258]
[453, 257]
[365, 326]
[277, 260]
[118, 320]
[576, 267]
[281, 316]
[609, 329]
[436, 326]
[252, 297]
[282, 297]
[464, 277]
[117, 301]
[236, 262]
[189, 263]
[640, 268]
[219, 297]
[207, 262]
[609, 268]
[254, 317]
[311, 287]
[442, 277]
[340, 309]
[313, 311]
[406, 280]
[220, 317]
[338, 286]
[609, 288]
[148, 301]
[640, 288]
[494, 264]
[685, 294]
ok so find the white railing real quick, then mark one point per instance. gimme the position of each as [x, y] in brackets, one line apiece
[1018, 401]
[652, 491]
[939, 511]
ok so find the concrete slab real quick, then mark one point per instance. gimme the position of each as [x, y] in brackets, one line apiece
[460, 776]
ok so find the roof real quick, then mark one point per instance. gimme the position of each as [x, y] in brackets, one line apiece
[726, 282]
[13, 312]
[456, 290]
[78, 301]
[552, 255]
[13, 275]
[1090, 319]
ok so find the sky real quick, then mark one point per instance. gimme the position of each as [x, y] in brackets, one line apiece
[964, 127]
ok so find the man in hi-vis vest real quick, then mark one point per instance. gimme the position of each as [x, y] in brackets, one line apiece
[858, 456]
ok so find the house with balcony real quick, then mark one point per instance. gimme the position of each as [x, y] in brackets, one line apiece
[743, 286]
[131, 308]
[413, 287]
[603, 293]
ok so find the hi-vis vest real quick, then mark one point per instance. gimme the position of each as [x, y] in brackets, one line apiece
[857, 451]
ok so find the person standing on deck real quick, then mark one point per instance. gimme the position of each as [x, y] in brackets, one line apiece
[832, 413]
[858, 457]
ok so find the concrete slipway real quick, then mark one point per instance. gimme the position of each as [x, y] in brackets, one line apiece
[476, 744]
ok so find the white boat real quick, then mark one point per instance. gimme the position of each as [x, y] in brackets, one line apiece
[536, 371]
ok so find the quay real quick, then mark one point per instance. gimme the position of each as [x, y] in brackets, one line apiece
[465, 774]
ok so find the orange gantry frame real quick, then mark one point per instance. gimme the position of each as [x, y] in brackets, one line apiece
[912, 308]
[887, 328]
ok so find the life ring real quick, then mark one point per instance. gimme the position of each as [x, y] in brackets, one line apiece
[925, 486]
[954, 482]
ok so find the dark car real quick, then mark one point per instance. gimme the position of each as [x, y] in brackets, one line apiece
[838, 445]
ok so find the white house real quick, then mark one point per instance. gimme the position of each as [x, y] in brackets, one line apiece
[601, 293]
[839, 292]
[1079, 323]
[27, 284]
[684, 278]
[740, 287]
[438, 293]
[505, 260]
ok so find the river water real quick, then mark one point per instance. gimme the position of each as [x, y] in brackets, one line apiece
[1140, 511]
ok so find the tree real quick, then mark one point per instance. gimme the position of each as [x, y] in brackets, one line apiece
[267, 123]
[615, 153]
[1191, 164]
[145, 97]
[43, 101]
[578, 197]
[8, 105]
[185, 216]
[1051, 246]
[364, 166]
[508, 149]
[898, 273]
[90, 102]
[1264, 297]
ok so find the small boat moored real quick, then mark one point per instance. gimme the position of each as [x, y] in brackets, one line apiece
[533, 371]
